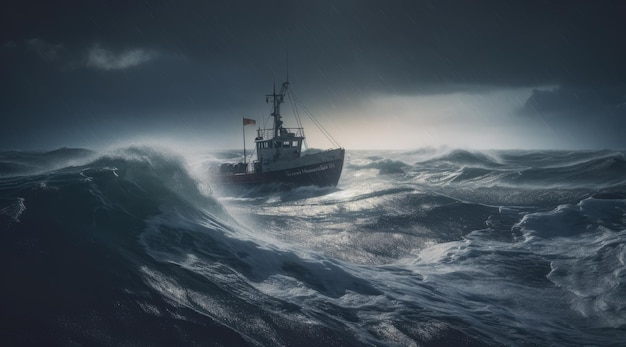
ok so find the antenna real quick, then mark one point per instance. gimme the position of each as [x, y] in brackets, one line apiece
[287, 63]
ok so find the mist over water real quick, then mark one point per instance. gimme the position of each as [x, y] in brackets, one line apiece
[424, 247]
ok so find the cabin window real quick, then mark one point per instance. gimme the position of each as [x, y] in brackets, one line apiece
[287, 144]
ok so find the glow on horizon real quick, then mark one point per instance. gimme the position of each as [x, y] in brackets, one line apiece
[481, 120]
[487, 120]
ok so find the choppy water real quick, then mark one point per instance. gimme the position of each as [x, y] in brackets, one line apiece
[425, 247]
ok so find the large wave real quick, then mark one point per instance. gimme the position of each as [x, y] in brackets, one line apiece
[130, 246]
[72, 266]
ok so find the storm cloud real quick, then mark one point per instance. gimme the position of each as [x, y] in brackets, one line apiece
[87, 73]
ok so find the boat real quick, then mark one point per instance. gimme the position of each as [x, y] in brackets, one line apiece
[280, 158]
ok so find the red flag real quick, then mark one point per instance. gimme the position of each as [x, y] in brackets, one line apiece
[247, 121]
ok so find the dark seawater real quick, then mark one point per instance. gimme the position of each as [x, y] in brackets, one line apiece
[416, 248]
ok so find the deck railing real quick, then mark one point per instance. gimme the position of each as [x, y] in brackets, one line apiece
[267, 134]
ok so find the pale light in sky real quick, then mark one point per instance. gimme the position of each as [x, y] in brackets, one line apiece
[485, 119]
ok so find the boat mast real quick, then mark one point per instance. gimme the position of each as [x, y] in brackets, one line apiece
[278, 99]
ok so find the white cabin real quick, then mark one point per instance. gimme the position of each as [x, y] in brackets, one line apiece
[284, 147]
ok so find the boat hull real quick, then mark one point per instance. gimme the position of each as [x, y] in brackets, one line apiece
[323, 171]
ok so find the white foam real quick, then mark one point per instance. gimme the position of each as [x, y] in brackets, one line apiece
[15, 209]
[150, 309]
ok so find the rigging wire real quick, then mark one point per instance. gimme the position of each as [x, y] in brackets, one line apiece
[328, 136]
[297, 116]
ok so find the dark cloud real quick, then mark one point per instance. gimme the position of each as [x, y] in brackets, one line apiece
[604, 101]
[585, 117]
[405, 42]
[108, 61]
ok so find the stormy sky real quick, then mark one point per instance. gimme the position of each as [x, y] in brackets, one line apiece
[378, 74]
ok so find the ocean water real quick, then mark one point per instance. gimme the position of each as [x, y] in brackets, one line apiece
[431, 247]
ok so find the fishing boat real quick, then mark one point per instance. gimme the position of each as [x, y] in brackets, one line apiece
[279, 155]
